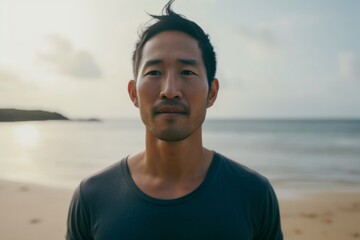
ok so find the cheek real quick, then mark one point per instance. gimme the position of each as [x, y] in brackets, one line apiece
[146, 92]
[199, 92]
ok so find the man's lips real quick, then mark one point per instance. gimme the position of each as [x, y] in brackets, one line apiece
[170, 107]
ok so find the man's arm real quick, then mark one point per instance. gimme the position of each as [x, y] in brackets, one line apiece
[78, 224]
[270, 224]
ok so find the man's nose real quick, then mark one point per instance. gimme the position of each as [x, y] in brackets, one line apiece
[171, 87]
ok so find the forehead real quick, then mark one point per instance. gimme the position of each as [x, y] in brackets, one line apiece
[171, 45]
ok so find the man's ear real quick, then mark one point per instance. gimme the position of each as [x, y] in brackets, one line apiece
[133, 93]
[214, 88]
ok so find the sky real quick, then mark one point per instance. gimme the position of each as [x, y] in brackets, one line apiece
[276, 59]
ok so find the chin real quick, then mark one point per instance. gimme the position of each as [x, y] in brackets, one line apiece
[172, 135]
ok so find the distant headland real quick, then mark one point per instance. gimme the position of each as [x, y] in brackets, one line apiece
[14, 115]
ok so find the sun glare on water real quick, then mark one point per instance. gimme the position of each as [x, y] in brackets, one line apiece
[26, 135]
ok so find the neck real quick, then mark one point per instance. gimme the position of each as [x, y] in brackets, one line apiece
[175, 160]
[169, 170]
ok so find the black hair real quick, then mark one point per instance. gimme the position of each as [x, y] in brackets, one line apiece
[171, 21]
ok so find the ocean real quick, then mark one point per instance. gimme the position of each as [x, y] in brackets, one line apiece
[297, 156]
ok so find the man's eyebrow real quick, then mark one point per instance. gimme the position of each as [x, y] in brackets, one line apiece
[191, 62]
[152, 62]
[184, 61]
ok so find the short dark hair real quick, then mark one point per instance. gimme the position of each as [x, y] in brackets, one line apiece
[172, 21]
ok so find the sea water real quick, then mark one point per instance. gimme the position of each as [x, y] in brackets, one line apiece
[295, 155]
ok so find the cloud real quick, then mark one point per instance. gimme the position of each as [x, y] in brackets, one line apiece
[7, 76]
[9, 80]
[64, 58]
[259, 41]
[348, 66]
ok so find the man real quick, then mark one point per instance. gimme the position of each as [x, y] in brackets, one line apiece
[175, 188]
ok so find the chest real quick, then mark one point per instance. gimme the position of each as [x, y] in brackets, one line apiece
[198, 218]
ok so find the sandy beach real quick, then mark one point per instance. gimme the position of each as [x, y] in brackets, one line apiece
[35, 212]
[331, 216]
[32, 212]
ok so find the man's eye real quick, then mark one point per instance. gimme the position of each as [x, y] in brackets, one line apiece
[187, 72]
[153, 73]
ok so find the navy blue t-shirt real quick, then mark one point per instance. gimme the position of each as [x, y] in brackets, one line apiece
[233, 202]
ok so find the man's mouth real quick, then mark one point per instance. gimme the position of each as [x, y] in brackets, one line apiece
[174, 108]
[170, 110]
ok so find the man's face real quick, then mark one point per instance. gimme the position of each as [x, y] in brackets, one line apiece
[171, 89]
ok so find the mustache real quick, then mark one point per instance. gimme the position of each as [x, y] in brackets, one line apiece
[172, 103]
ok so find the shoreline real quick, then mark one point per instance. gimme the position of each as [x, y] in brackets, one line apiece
[30, 211]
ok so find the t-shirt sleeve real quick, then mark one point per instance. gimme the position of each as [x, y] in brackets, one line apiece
[270, 224]
[78, 224]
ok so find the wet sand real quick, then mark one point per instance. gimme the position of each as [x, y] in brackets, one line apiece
[34, 212]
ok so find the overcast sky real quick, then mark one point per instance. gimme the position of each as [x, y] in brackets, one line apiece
[275, 58]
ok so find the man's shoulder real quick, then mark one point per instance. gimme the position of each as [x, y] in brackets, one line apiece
[240, 176]
[103, 179]
[237, 169]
